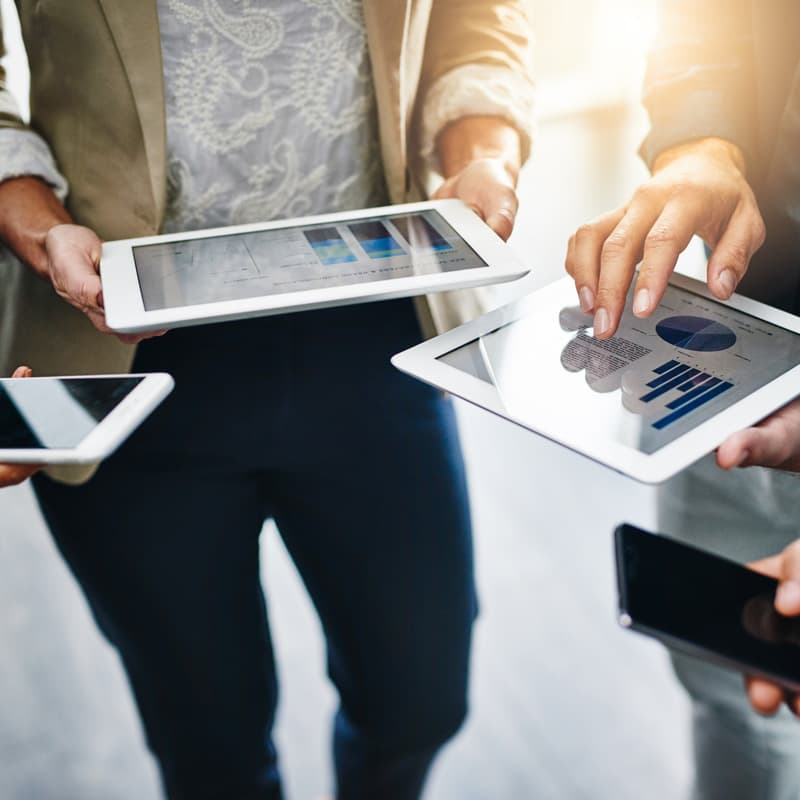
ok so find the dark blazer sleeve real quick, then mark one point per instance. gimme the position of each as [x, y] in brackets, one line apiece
[700, 77]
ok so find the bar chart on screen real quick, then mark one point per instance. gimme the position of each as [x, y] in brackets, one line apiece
[681, 389]
[329, 246]
[375, 239]
[420, 234]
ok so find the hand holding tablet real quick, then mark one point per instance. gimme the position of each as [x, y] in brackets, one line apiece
[294, 265]
[650, 401]
[73, 259]
[774, 442]
[77, 420]
[12, 474]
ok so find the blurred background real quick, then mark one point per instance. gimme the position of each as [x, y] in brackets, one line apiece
[564, 703]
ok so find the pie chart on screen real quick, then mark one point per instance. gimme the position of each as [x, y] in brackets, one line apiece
[696, 333]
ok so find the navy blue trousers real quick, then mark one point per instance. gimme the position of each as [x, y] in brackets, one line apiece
[300, 418]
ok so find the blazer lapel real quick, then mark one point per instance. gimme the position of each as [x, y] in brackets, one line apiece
[134, 27]
[387, 24]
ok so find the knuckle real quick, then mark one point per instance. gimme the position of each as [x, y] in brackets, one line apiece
[650, 277]
[585, 232]
[661, 236]
[619, 241]
[606, 297]
[646, 194]
[759, 231]
[82, 294]
[88, 291]
[738, 254]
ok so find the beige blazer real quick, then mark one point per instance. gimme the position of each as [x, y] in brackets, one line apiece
[97, 99]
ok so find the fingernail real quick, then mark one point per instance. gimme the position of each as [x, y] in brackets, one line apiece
[602, 322]
[499, 222]
[727, 280]
[586, 298]
[641, 303]
[788, 596]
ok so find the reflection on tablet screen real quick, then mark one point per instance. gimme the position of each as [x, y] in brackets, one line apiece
[242, 265]
[654, 381]
[57, 413]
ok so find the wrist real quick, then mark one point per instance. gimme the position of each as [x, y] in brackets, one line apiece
[478, 138]
[28, 211]
[712, 147]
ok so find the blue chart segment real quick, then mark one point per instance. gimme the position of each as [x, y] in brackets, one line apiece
[693, 389]
[329, 247]
[696, 333]
[420, 234]
[376, 240]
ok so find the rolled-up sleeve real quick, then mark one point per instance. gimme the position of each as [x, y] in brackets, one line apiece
[478, 61]
[700, 77]
[24, 153]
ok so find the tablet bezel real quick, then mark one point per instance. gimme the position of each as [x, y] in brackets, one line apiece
[124, 306]
[421, 362]
[109, 433]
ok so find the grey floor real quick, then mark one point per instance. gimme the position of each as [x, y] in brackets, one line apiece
[564, 703]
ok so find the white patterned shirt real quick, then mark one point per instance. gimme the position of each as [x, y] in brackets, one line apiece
[270, 113]
[270, 110]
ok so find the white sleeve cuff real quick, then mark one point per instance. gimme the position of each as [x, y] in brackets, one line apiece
[476, 90]
[23, 152]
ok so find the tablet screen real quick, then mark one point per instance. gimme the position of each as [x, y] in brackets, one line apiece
[654, 381]
[244, 265]
[56, 413]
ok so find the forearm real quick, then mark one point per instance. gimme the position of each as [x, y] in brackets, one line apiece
[479, 137]
[28, 210]
[700, 79]
[714, 147]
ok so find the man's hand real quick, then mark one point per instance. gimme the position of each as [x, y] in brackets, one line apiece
[765, 696]
[12, 474]
[696, 188]
[39, 230]
[73, 264]
[775, 442]
[479, 157]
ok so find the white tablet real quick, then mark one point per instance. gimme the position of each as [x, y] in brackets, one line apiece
[294, 265]
[74, 420]
[660, 394]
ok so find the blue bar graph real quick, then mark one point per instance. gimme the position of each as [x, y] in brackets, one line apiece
[666, 367]
[689, 407]
[375, 239]
[696, 381]
[669, 385]
[329, 247]
[668, 376]
[420, 234]
[689, 396]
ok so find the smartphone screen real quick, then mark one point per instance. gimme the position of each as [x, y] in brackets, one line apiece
[705, 605]
[43, 413]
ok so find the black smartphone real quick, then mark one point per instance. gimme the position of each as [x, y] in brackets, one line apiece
[705, 606]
